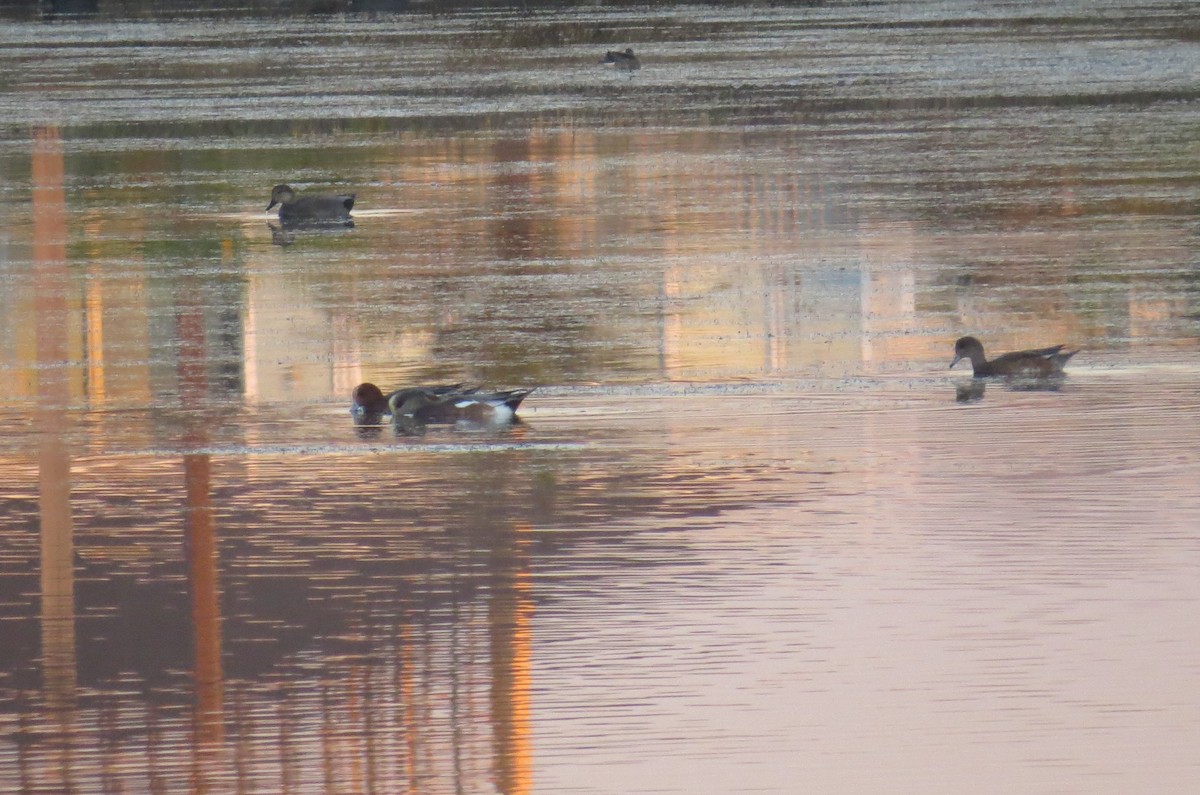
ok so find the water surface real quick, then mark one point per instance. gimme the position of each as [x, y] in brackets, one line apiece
[750, 532]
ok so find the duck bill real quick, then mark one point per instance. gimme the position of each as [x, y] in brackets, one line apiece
[269, 206]
[957, 359]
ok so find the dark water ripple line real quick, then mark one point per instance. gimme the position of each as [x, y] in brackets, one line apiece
[401, 447]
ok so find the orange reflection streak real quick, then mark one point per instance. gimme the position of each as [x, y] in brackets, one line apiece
[200, 545]
[206, 613]
[510, 616]
[350, 742]
[328, 742]
[243, 745]
[54, 460]
[370, 733]
[94, 322]
[672, 323]
[406, 691]
[289, 768]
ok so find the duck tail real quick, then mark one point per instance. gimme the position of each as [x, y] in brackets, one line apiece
[513, 398]
[1062, 358]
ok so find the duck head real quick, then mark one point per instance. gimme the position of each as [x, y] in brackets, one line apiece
[368, 399]
[968, 348]
[281, 194]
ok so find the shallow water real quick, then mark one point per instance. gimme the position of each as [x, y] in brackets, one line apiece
[750, 532]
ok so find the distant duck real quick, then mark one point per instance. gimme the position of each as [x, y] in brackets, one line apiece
[626, 61]
[429, 406]
[316, 209]
[369, 399]
[1036, 363]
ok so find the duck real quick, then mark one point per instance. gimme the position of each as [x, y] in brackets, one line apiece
[622, 60]
[369, 399]
[315, 209]
[1036, 363]
[428, 406]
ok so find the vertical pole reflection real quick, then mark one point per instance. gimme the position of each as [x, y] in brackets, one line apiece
[206, 613]
[510, 614]
[94, 325]
[405, 686]
[514, 232]
[54, 462]
[200, 540]
[671, 342]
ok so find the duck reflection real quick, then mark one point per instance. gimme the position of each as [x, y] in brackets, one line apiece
[1048, 383]
[406, 425]
[970, 391]
[368, 426]
[288, 232]
[973, 391]
[281, 237]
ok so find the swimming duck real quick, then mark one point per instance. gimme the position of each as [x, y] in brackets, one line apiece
[428, 406]
[1037, 363]
[369, 399]
[622, 60]
[316, 209]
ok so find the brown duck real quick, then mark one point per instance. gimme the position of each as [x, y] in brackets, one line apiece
[1037, 363]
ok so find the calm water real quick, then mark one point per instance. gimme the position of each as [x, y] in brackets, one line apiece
[752, 536]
